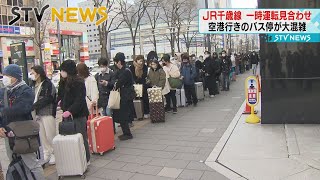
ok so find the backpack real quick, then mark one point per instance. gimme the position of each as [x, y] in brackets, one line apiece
[18, 170]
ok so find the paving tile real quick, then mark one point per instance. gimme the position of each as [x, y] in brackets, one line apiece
[129, 151]
[172, 163]
[91, 170]
[142, 169]
[159, 154]
[194, 165]
[116, 165]
[100, 162]
[209, 175]
[182, 149]
[191, 174]
[190, 157]
[134, 159]
[149, 177]
[170, 172]
[112, 174]
[158, 147]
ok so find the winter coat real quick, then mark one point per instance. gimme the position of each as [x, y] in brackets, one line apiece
[210, 67]
[189, 74]
[226, 65]
[46, 104]
[254, 59]
[20, 101]
[138, 80]
[157, 78]
[73, 99]
[92, 91]
[104, 91]
[171, 71]
[124, 82]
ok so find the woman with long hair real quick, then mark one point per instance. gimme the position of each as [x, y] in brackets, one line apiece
[44, 110]
[72, 96]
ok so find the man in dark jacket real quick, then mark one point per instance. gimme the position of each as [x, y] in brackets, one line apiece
[188, 73]
[124, 82]
[225, 70]
[210, 69]
[105, 80]
[19, 107]
[254, 59]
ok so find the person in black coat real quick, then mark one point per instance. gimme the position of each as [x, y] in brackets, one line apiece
[226, 65]
[72, 98]
[124, 82]
[139, 71]
[210, 69]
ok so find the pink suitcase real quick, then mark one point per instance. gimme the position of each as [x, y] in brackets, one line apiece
[100, 134]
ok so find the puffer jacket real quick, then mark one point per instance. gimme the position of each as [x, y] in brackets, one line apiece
[157, 78]
[189, 74]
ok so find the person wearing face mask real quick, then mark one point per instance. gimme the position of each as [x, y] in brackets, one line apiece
[199, 69]
[105, 82]
[140, 71]
[188, 73]
[92, 91]
[210, 70]
[156, 76]
[44, 110]
[225, 70]
[20, 99]
[72, 98]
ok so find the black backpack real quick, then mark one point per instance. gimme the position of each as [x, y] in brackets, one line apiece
[18, 170]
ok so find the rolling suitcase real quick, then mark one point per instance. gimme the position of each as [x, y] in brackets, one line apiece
[138, 107]
[157, 113]
[199, 90]
[70, 155]
[181, 98]
[100, 134]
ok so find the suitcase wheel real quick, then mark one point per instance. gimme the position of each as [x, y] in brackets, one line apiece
[83, 177]
[101, 154]
[114, 148]
[60, 177]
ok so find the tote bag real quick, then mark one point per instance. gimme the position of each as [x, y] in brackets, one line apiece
[114, 99]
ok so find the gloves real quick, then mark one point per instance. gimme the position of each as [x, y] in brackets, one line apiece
[66, 114]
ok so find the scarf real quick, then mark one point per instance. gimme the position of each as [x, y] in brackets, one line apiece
[17, 85]
[138, 69]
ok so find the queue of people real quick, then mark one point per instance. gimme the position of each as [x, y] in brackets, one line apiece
[80, 93]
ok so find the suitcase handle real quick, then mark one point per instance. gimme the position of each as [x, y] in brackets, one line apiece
[92, 111]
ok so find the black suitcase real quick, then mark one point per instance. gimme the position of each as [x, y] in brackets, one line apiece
[157, 113]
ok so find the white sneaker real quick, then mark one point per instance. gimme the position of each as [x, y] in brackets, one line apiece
[146, 116]
[52, 160]
[212, 96]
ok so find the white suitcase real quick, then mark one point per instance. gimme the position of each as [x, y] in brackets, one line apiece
[199, 90]
[70, 155]
[181, 98]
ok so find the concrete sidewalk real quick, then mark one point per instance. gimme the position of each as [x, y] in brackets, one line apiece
[267, 152]
[175, 149]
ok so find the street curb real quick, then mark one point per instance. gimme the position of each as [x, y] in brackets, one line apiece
[213, 159]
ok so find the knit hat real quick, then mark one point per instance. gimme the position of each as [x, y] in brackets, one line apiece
[69, 66]
[120, 57]
[13, 70]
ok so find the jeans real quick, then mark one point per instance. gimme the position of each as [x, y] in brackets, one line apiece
[191, 94]
[254, 69]
[108, 112]
[81, 127]
[225, 81]
[171, 97]
[30, 160]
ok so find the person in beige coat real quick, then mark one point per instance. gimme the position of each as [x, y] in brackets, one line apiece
[91, 86]
[171, 71]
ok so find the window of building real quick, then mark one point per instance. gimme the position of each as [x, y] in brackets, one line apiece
[95, 40]
[96, 50]
[90, 40]
[4, 19]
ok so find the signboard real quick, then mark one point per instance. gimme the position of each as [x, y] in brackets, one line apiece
[252, 91]
[18, 56]
[66, 32]
[9, 29]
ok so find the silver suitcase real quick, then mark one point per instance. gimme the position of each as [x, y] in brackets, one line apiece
[199, 90]
[138, 107]
[181, 98]
[70, 155]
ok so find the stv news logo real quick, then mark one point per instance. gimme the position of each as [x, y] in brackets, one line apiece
[69, 14]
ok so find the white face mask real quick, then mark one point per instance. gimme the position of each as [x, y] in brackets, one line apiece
[207, 55]
[64, 74]
[6, 81]
[223, 55]
[104, 69]
[32, 77]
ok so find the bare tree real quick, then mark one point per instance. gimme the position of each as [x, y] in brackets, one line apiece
[132, 15]
[215, 41]
[153, 13]
[189, 14]
[38, 33]
[171, 9]
[112, 23]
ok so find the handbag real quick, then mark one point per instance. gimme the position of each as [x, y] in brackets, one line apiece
[175, 83]
[26, 134]
[67, 127]
[114, 99]
[138, 88]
